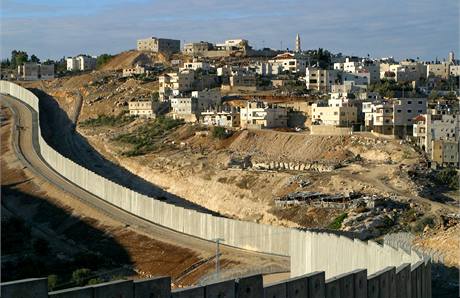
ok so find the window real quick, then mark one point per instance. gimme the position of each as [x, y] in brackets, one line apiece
[420, 102]
[409, 111]
[399, 111]
[409, 102]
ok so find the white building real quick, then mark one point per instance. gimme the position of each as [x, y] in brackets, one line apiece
[225, 117]
[364, 66]
[320, 79]
[258, 115]
[393, 117]
[196, 65]
[144, 108]
[82, 63]
[233, 45]
[181, 81]
[189, 108]
[289, 62]
[430, 127]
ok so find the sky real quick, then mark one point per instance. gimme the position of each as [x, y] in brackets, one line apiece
[398, 28]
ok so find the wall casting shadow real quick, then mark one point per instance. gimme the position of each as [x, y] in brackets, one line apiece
[59, 132]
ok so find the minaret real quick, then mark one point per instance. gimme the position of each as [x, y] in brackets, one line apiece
[297, 43]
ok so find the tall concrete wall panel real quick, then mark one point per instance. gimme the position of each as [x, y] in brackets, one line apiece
[26, 288]
[309, 251]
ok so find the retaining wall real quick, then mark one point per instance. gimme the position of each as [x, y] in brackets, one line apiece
[309, 251]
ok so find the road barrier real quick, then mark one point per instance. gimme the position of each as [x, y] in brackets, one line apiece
[309, 251]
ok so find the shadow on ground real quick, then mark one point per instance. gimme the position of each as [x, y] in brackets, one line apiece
[67, 141]
[40, 239]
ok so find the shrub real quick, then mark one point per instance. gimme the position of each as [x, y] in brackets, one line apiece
[144, 138]
[220, 133]
[107, 120]
[422, 223]
[336, 224]
[447, 177]
[95, 281]
[81, 276]
[52, 282]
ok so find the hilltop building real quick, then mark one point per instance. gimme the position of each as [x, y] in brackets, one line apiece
[163, 45]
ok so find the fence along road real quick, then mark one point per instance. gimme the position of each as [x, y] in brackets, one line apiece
[309, 251]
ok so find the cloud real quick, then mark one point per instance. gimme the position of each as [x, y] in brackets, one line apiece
[407, 28]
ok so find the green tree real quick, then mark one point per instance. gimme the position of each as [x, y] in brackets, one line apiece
[34, 58]
[18, 58]
[103, 59]
[81, 276]
[433, 95]
[451, 96]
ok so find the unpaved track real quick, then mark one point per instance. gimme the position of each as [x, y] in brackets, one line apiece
[25, 143]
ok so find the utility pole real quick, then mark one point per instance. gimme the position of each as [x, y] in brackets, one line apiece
[218, 240]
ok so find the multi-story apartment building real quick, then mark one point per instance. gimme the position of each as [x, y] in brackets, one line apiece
[393, 117]
[190, 107]
[257, 114]
[163, 45]
[288, 62]
[207, 98]
[30, 71]
[181, 81]
[446, 153]
[225, 116]
[320, 79]
[440, 70]
[82, 62]
[144, 108]
[358, 78]
[197, 48]
[438, 133]
[372, 68]
[337, 112]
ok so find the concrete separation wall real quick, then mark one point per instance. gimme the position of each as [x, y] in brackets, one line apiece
[404, 241]
[309, 251]
[385, 283]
